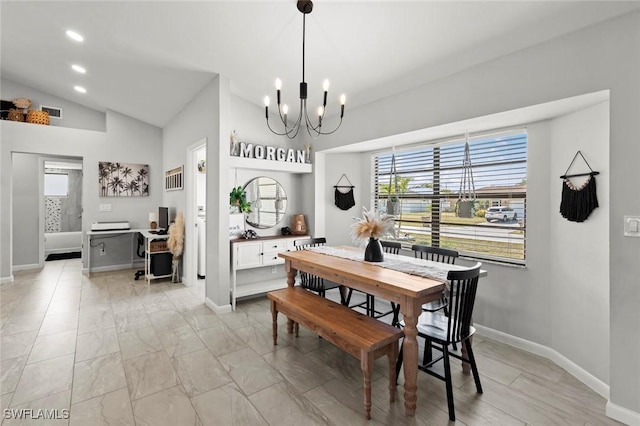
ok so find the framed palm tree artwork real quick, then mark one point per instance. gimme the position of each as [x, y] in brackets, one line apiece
[122, 179]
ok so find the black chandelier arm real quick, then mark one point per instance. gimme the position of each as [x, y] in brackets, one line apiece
[292, 132]
[318, 132]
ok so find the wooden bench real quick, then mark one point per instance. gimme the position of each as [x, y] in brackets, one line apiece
[363, 337]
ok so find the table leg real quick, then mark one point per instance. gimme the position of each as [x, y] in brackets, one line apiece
[291, 281]
[410, 355]
[274, 321]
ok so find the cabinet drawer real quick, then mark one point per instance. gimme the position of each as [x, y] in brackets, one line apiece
[271, 259]
[273, 246]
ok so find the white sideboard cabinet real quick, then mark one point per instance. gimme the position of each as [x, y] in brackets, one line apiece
[249, 254]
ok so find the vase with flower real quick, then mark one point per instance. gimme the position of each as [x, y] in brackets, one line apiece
[370, 228]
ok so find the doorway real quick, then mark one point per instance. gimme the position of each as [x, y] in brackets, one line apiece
[64, 231]
[196, 217]
[61, 208]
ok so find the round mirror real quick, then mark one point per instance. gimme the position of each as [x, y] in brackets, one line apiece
[268, 202]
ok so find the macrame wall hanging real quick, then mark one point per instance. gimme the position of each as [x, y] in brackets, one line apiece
[578, 201]
[343, 194]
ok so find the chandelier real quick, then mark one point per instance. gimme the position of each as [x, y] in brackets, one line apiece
[291, 128]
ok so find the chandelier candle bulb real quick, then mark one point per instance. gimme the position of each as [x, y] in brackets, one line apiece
[266, 107]
[343, 100]
[278, 84]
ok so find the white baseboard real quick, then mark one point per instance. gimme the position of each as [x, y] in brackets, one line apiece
[217, 309]
[5, 280]
[578, 372]
[621, 414]
[108, 268]
[26, 267]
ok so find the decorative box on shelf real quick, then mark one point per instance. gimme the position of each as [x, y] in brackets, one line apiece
[158, 246]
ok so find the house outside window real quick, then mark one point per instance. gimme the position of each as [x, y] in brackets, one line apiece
[472, 201]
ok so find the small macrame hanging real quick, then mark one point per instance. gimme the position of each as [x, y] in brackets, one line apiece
[578, 201]
[344, 200]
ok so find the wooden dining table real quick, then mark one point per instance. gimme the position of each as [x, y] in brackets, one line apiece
[410, 291]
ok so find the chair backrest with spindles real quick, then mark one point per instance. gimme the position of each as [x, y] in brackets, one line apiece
[436, 254]
[391, 247]
[308, 281]
[461, 296]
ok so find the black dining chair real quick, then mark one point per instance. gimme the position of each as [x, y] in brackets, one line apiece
[442, 331]
[311, 282]
[370, 303]
[435, 254]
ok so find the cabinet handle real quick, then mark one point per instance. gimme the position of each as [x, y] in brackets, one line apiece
[275, 258]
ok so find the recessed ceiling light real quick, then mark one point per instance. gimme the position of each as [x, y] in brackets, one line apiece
[78, 68]
[74, 36]
[80, 89]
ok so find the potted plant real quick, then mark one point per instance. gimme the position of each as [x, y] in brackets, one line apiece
[238, 199]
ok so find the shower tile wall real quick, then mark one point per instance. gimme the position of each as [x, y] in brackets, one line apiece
[52, 210]
[65, 213]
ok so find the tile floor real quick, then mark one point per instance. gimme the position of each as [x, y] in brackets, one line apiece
[114, 351]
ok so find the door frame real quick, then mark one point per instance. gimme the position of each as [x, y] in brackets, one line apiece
[41, 160]
[191, 234]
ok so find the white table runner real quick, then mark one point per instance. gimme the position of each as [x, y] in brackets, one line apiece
[409, 265]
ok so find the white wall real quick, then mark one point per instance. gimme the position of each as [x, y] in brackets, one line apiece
[516, 301]
[335, 219]
[26, 209]
[127, 141]
[579, 251]
[73, 115]
[205, 117]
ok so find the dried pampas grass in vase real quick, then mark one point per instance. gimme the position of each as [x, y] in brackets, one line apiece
[175, 244]
[372, 226]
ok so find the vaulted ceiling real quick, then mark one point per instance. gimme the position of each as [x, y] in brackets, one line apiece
[147, 59]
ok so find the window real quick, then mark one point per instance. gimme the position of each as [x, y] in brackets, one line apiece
[56, 184]
[473, 202]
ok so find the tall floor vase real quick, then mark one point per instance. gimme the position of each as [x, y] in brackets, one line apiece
[175, 269]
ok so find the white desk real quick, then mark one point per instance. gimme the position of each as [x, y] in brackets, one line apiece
[148, 236]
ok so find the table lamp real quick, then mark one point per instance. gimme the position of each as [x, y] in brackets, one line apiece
[153, 224]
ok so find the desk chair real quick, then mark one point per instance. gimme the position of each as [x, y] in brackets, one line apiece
[370, 303]
[311, 282]
[442, 331]
[140, 273]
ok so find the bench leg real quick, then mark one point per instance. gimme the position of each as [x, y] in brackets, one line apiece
[296, 328]
[366, 364]
[274, 322]
[393, 357]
